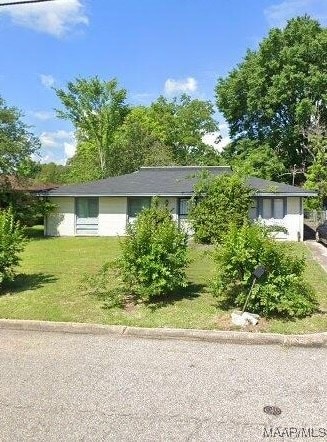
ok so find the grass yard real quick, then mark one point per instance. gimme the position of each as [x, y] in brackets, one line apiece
[48, 288]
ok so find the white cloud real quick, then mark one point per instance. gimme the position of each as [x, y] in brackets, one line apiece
[279, 13]
[47, 80]
[211, 139]
[70, 149]
[53, 139]
[56, 145]
[184, 85]
[223, 143]
[216, 140]
[56, 18]
[42, 115]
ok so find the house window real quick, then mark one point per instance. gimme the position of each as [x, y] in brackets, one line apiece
[267, 209]
[183, 208]
[272, 208]
[136, 205]
[87, 207]
[253, 212]
[278, 208]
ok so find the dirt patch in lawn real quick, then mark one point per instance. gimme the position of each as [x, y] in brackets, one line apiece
[224, 322]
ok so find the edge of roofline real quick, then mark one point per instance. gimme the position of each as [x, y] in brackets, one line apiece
[182, 167]
[175, 194]
[120, 194]
[289, 194]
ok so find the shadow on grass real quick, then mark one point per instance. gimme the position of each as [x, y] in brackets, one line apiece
[192, 291]
[36, 233]
[24, 282]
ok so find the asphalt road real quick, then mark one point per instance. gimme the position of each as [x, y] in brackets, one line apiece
[65, 387]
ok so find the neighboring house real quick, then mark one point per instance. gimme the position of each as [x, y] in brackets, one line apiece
[105, 207]
[12, 183]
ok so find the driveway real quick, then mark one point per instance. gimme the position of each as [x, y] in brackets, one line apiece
[319, 252]
[66, 387]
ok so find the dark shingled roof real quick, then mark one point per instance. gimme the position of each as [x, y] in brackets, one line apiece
[270, 188]
[165, 181]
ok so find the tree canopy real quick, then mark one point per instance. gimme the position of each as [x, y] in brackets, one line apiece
[17, 143]
[272, 95]
[114, 138]
[96, 108]
[250, 157]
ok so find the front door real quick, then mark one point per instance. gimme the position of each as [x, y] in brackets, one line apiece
[87, 216]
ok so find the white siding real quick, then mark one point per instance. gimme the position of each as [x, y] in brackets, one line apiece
[292, 221]
[112, 216]
[61, 222]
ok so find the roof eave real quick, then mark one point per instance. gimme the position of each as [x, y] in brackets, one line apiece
[90, 194]
[289, 194]
[174, 194]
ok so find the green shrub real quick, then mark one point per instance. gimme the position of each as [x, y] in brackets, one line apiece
[28, 208]
[11, 244]
[106, 284]
[280, 292]
[154, 254]
[218, 201]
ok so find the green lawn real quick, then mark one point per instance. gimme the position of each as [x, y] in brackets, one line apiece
[48, 288]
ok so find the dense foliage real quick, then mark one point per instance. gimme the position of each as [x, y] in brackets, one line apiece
[11, 244]
[218, 201]
[252, 158]
[154, 254]
[16, 142]
[280, 292]
[113, 138]
[50, 173]
[96, 108]
[316, 176]
[27, 208]
[272, 95]
[153, 261]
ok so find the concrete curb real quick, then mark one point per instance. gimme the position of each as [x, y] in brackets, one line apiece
[230, 337]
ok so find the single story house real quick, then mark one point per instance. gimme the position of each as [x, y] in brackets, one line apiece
[104, 207]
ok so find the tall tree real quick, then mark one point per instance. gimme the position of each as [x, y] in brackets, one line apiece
[17, 143]
[51, 173]
[83, 166]
[273, 93]
[96, 108]
[166, 133]
[140, 141]
[317, 171]
[250, 157]
[182, 123]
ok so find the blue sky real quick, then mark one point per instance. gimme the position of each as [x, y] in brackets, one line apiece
[152, 47]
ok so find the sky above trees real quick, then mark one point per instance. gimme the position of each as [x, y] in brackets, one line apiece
[152, 48]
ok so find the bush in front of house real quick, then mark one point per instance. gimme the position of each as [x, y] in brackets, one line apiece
[154, 254]
[12, 242]
[28, 208]
[106, 284]
[217, 201]
[282, 291]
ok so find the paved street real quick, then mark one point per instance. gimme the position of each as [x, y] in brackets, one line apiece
[65, 387]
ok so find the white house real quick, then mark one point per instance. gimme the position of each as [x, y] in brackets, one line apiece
[104, 207]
